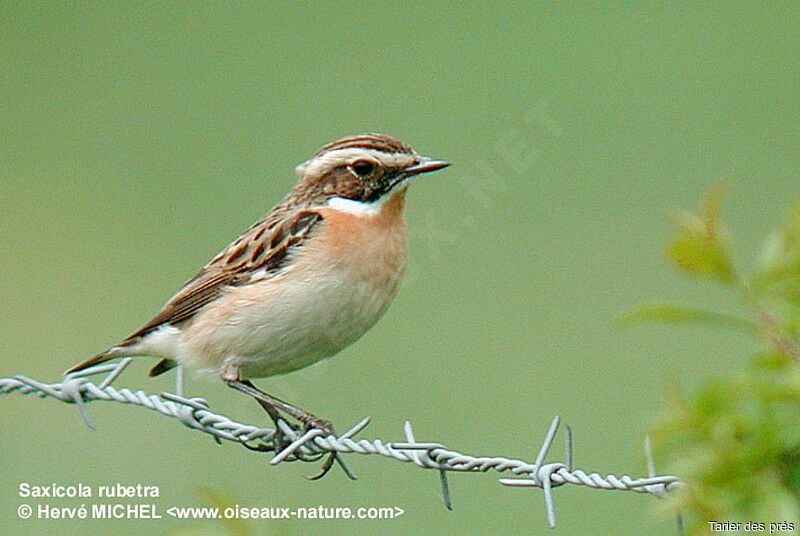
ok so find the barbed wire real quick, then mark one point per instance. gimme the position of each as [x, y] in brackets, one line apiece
[292, 442]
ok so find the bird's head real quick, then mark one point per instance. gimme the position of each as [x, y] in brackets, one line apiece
[361, 171]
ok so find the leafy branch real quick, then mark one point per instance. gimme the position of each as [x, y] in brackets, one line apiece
[736, 441]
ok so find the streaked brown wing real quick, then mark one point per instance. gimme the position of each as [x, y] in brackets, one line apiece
[265, 245]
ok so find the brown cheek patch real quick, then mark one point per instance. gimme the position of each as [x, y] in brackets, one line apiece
[344, 184]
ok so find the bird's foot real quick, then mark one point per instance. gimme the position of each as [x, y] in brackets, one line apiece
[312, 421]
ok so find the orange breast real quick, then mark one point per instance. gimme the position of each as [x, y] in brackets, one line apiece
[372, 247]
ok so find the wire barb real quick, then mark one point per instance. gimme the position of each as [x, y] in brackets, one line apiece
[311, 445]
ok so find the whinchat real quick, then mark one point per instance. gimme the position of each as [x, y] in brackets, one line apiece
[302, 283]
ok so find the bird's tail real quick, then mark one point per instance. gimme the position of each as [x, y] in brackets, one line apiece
[162, 366]
[122, 350]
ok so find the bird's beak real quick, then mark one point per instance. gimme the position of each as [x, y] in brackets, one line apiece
[425, 165]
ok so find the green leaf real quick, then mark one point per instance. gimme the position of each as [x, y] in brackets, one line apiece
[698, 248]
[736, 446]
[677, 314]
[787, 315]
[779, 259]
[772, 252]
[783, 279]
[700, 256]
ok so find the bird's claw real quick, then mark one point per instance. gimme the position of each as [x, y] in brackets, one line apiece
[326, 467]
[313, 422]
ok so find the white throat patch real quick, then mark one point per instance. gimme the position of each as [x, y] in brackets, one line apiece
[355, 207]
[364, 208]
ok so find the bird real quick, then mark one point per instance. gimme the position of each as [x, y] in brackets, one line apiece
[301, 284]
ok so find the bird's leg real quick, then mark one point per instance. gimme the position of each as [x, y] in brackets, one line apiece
[272, 404]
[273, 413]
[279, 440]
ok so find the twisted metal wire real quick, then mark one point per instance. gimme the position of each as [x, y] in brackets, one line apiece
[311, 445]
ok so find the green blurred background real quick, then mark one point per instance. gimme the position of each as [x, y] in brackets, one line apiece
[139, 140]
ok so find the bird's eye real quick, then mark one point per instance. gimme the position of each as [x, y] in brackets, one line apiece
[363, 168]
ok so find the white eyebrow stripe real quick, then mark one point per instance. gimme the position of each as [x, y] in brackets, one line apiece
[330, 159]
